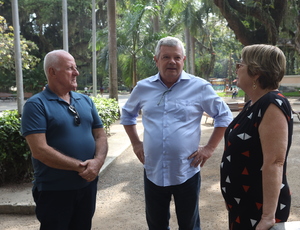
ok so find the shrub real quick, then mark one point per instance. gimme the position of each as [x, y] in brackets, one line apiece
[15, 156]
[108, 110]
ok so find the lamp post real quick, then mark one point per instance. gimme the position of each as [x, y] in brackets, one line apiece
[65, 25]
[94, 49]
[18, 57]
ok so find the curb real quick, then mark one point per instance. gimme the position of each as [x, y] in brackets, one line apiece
[293, 225]
[17, 209]
[118, 143]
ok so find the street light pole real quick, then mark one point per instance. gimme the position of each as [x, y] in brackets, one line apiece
[94, 49]
[65, 25]
[18, 56]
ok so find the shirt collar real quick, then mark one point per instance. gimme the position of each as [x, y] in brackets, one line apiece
[183, 76]
[53, 97]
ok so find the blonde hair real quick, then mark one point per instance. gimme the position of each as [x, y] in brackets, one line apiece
[267, 61]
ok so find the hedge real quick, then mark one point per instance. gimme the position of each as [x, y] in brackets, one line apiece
[15, 156]
[15, 160]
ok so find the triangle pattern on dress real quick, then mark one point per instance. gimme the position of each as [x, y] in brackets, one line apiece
[228, 180]
[247, 154]
[258, 205]
[229, 158]
[282, 206]
[250, 122]
[245, 171]
[237, 200]
[246, 188]
[244, 136]
[253, 222]
[277, 220]
[279, 101]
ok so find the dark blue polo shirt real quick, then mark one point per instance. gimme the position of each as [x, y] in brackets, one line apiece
[46, 113]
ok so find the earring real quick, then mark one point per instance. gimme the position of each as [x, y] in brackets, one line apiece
[254, 86]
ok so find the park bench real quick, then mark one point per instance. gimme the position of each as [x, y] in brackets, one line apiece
[236, 106]
[7, 96]
[233, 106]
[207, 116]
[27, 95]
[228, 92]
[297, 113]
[10, 96]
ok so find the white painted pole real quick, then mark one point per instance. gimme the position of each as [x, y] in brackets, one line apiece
[18, 56]
[94, 49]
[65, 25]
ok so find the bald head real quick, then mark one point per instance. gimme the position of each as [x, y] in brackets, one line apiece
[54, 59]
[61, 71]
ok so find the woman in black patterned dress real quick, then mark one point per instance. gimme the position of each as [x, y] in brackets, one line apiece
[257, 142]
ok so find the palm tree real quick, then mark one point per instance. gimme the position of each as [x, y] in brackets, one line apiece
[135, 37]
[112, 40]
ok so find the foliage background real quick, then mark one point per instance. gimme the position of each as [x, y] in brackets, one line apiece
[213, 31]
[15, 156]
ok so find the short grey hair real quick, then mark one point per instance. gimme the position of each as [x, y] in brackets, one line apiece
[169, 41]
[53, 59]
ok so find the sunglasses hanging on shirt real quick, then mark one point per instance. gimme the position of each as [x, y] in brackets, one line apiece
[75, 114]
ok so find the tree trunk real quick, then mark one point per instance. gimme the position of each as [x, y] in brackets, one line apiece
[190, 52]
[187, 49]
[156, 27]
[192, 55]
[134, 76]
[112, 42]
[264, 18]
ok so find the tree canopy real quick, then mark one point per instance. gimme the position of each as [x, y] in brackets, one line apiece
[7, 60]
[254, 22]
[213, 32]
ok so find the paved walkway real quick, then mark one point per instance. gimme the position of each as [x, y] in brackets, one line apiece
[18, 199]
[8, 105]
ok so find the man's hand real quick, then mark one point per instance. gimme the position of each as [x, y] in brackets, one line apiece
[138, 149]
[92, 168]
[201, 156]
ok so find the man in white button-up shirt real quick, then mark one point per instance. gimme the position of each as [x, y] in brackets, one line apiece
[172, 104]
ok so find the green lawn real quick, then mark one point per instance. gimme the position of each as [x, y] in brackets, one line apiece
[241, 93]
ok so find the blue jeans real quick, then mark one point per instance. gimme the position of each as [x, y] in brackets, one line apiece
[66, 210]
[186, 198]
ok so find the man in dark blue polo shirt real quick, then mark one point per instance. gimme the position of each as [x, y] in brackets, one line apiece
[68, 145]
